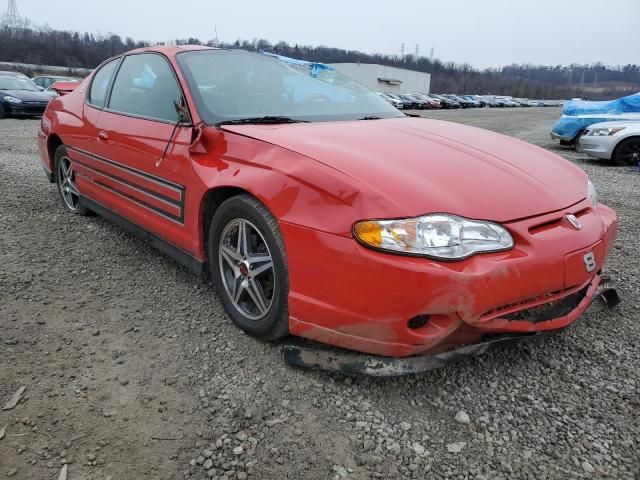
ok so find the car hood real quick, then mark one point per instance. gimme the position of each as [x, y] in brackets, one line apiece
[28, 95]
[628, 124]
[420, 166]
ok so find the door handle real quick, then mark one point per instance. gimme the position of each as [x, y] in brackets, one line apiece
[102, 136]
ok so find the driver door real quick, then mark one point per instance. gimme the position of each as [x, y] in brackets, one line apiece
[134, 179]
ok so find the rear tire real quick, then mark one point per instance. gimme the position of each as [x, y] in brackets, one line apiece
[627, 153]
[64, 175]
[250, 276]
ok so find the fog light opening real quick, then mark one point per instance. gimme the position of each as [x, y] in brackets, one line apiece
[418, 321]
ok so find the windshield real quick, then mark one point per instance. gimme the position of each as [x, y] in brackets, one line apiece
[232, 85]
[17, 83]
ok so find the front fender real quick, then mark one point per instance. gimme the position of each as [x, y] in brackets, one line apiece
[296, 189]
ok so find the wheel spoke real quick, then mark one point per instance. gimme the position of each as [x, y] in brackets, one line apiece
[67, 170]
[267, 265]
[255, 292]
[238, 288]
[230, 256]
[242, 238]
[73, 189]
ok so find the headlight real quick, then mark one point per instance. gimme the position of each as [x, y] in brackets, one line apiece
[603, 132]
[10, 99]
[441, 236]
[592, 194]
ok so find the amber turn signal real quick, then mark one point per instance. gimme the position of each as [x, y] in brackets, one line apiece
[369, 233]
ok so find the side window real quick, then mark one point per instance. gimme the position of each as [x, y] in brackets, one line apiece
[146, 86]
[100, 83]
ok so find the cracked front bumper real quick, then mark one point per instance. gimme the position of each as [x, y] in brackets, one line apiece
[348, 296]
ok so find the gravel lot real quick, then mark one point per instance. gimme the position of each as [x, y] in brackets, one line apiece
[132, 369]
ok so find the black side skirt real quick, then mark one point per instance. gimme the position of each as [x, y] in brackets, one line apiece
[179, 255]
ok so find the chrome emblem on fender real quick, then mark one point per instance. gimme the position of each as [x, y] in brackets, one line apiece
[589, 262]
[575, 223]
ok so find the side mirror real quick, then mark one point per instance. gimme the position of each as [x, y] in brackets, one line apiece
[183, 112]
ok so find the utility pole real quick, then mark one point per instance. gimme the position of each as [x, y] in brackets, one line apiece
[402, 50]
[12, 17]
[417, 50]
[431, 55]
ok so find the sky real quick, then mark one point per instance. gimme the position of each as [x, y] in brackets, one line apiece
[483, 33]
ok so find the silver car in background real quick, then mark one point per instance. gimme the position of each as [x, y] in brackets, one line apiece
[618, 141]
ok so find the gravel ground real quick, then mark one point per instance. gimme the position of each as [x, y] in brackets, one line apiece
[132, 369]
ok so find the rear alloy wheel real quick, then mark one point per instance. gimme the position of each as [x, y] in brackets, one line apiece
[628, 152]
[248, 265]
[66, 180]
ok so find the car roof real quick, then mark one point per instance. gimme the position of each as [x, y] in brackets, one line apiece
[169, 49]
[13, 74]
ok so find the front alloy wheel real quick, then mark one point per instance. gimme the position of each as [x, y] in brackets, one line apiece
[249, 268]
[246, 268]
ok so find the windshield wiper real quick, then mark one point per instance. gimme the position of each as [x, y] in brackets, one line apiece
[268, 119]
[371, 117]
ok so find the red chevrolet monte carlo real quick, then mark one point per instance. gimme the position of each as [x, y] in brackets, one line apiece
[320, 210]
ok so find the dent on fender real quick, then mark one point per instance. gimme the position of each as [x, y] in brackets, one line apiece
[226, 159]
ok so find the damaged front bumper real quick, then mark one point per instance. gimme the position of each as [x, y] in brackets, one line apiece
[353, 363]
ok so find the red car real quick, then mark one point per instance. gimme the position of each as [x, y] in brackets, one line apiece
[321, 211]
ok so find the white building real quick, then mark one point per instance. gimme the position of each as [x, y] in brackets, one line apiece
[380, 78]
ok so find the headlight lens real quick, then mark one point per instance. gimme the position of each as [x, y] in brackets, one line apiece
[603, 132]
[10, 99]
[440, 236]
[592, 194]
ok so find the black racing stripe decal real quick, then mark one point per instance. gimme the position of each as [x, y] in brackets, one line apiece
[135, 171]
[142, 203]
[146, 190]
[159, 180]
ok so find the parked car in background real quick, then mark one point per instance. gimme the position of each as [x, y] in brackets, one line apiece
[480, 103]
[20, 97]
[618, 141]
[51, 88]
[463, 102]
[414, 103]
[406, 103]
[45, 81]
[393, 101]
[445, 102]
[314, 217]
[490, 101]
[423, 103]
[432, 102]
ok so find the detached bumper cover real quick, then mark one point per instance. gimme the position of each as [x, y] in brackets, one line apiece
[361, 364]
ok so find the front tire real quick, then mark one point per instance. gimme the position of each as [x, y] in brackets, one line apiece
[3, 113]
[627, 153]
[65, 180]
[248, 264]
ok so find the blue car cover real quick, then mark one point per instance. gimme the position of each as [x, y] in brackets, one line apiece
[579, 114]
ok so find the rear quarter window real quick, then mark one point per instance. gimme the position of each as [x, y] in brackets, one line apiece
[100, 83]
